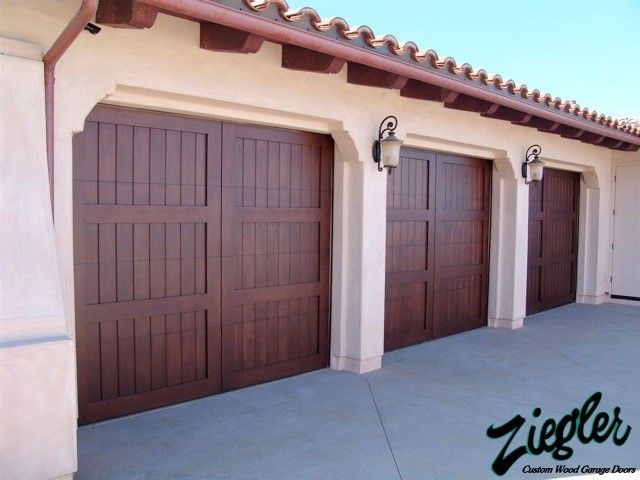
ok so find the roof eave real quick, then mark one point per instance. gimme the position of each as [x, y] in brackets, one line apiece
[270, 22]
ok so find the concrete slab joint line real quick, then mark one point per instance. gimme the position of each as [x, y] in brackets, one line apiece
[375, 404]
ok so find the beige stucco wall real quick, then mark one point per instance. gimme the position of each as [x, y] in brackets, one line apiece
[37, 355]
[163, 68]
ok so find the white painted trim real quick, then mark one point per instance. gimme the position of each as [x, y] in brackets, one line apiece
[20, 49]
[415, 140]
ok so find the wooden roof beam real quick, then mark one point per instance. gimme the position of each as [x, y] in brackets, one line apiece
[569, 132]
[611, 143]
[422, 91]
[534, 122]
[298, 58]
[220, 38]
[460, 101]
[505, 113]
[553, 128]
[592, 138]
[372, 77]
[125, 14]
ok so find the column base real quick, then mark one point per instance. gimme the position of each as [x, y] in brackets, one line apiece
[592, 299]
[355, 365]
[509, 323]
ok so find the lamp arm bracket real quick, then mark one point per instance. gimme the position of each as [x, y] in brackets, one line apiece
[532, 153]
[392, 123]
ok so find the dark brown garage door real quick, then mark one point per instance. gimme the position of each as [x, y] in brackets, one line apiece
[276, 204]
[409, 260]
[553, 240]
[438, 212]
[201, 257]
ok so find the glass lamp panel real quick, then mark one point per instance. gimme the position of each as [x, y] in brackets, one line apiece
[535, 170]
[391, 151]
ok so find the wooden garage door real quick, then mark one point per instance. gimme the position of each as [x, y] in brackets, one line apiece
[463, 200]
[553, 240]
[409, 260]
[152, 241]
[438, 214]
[276, 194]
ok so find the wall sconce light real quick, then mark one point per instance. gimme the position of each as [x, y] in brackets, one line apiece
[532, 166]
[386, 151]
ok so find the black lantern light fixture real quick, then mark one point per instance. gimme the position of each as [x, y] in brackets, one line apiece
[386, 151]
[532, 166]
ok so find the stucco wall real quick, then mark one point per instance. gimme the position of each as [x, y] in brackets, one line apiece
[37, 356]
[163, 68]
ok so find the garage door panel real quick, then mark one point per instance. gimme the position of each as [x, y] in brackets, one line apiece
[143, 166]
[535, 239]
[461, 244]
[276, 248]
[560, 195]
[142, 354]
[535, 200]
[407, 246]
[534, 286]
[560, 280]
[274, 339]
[408, 188]
[437, 232]
[461, 183]
[407, 313]
[139, 261]
[409, 252]
[147, 311]
[553, 240]
[459, 305]
[560, 240]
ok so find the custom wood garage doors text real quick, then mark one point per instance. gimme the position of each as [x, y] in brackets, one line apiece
[201, 257]
[437, 257]
[553, 240]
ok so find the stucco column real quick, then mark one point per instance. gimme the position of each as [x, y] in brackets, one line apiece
[37, 357]
[508, 255]
[588, 288]
[357, 336]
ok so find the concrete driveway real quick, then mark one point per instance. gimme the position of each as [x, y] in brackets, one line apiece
[423, 415]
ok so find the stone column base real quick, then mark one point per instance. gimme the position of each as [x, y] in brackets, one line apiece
[509, 323]
[355, 365]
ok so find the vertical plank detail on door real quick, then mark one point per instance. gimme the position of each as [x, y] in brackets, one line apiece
[147, 260]
[463, 212]
[276, 198]
[553, 240]
[409, 250]
[153, 234]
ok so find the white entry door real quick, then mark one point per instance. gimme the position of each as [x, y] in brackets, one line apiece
[626, 234]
